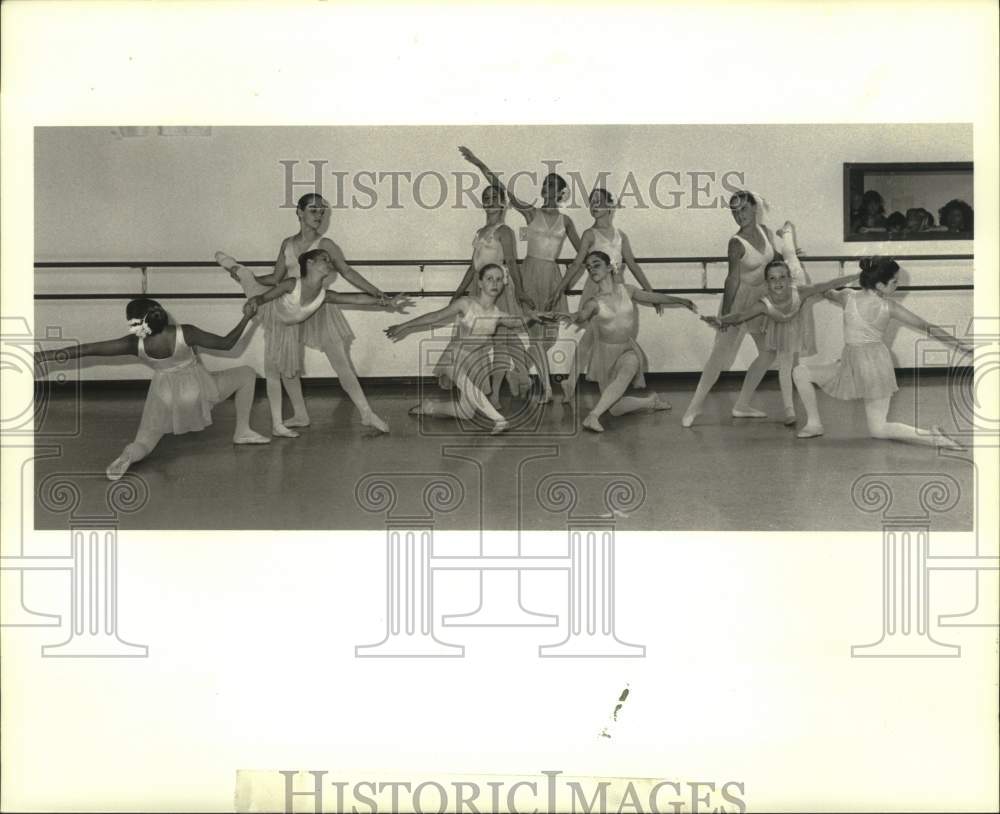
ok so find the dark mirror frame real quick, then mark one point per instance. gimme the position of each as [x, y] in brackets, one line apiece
[853, 181]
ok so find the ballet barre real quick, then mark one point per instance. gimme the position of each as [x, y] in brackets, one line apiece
[143, 267]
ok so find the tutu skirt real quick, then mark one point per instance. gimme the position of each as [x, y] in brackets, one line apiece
[798, 335]
[328, 323]
[600, 360]
[864, 371]
[179, 400]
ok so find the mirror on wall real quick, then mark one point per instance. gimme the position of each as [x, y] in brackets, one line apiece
[897, 201]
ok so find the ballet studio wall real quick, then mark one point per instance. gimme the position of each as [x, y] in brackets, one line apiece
[180, 194]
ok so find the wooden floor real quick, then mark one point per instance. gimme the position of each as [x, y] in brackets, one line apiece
[723, 474]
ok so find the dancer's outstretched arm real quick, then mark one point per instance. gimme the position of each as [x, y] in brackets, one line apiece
[918, 323]
[525, 209]
[653, 298]
[346, 271]
[126, 346]
[821, 288]
[629, 259]
[435, 318]
[575, 268]
[275, 291]
[195, 336]
[280, 271]
[580, 317]
[755, 310]
[399, 303]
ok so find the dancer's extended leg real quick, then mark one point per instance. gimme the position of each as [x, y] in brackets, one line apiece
[336, 353]
[752, 379]
[724, 350]
[628, 366]
[786, 361]
[802, 376]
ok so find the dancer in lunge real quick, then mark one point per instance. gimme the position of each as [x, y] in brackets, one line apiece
[182, 392]
[327, 330]
[865, 370]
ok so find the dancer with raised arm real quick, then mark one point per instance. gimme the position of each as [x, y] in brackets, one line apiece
[548, 229]
[182, 392]
[494, 245]
[327, 329]
[865, 370]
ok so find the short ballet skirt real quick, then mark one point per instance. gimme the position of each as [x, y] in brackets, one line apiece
[599, 360]
[865, 371]
[180, 400]
[798, 335]
[541, 278]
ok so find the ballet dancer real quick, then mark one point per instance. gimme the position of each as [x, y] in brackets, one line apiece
[786, 330]
[465, 363]
[182, 392]
[614, 359]
[326, 330]
[865, 369]
[604, 237]
[548, 229]
[749, 252]
[494, 245]
[296, 299]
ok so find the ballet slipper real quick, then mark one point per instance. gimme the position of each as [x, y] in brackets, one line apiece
[227, 262]
[810, 431]
[660, 403]
[790, 418]
[591, 423]
[500, 426]
[282, 431]
[942, 439]
[747, 412]
[295, 421]
[250, 437]
[369, 419]
[688, 419]
[119, 466]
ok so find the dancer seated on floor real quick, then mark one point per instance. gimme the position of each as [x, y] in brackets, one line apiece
[865, 370]
[613, 358]
[182, 392]
[467, 363]
[786, 330]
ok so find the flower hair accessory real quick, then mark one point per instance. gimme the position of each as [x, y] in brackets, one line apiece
[139, 328]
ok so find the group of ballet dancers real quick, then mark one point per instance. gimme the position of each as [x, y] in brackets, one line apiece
[767, 294]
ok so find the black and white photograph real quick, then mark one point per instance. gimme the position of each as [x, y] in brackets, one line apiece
[665, 300]
[499, 407]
